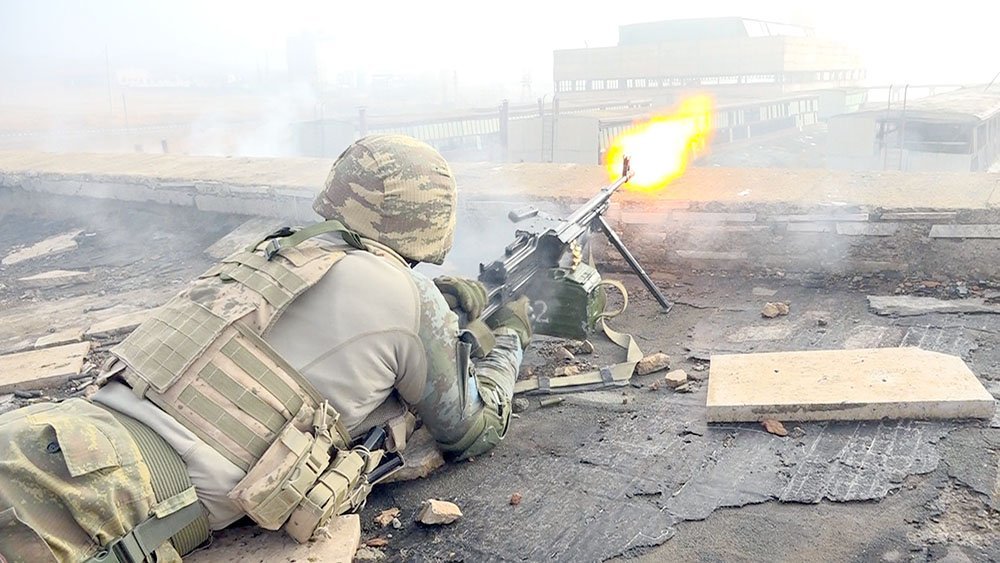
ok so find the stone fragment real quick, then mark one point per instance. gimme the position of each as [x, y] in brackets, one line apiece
[67, 336]
[563, 371]
[116, 326]
[582, 347]
[377, 542]
[797, 432]
[56, 278]
[772, 310]
[774, 427]
[515, 499]
[48, 247]
[433, 512]
[763, 292]
[564, 355]
[676, 378]
[651, 363]
[38, 369]
[421, 459]
[685, 388]
[386, 517]
[519, 405]
[251, 543]
[368, 555]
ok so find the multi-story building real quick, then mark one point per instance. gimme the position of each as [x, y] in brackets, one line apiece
[728, 56]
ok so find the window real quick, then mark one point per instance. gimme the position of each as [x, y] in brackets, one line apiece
[580, 85]
[629, 83]
[612, 84]
[640, 82]
[597, 84]
[563, 86]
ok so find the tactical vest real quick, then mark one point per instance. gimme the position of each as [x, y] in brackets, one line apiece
[201, 358]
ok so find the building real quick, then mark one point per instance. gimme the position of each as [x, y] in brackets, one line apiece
[727, 56]
[953, 131]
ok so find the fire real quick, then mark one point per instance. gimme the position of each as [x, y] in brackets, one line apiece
[661, 148]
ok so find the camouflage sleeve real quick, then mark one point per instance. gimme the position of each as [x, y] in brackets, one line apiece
[464, 405]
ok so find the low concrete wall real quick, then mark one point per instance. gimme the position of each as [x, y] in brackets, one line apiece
[729, 219]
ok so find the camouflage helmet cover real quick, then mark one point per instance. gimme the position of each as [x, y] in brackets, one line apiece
[395, 190]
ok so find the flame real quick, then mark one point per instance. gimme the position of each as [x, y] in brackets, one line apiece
[660, 148]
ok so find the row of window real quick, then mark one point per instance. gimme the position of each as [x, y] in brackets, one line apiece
[581, 85]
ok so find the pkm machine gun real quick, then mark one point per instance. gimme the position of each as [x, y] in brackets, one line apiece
[545, 262]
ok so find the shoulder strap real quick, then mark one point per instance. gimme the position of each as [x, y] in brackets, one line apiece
[287, 238]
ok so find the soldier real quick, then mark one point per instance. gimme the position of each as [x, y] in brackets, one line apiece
[251, 392]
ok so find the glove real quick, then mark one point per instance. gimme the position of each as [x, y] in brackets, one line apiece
[462, 295]
[515, 316]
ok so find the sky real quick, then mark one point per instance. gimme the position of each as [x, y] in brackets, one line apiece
[915, 42]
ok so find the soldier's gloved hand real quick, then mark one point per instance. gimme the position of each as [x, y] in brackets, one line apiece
[467, 296]
[516, 316]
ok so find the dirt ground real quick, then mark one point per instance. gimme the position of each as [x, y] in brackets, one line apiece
[628, 473]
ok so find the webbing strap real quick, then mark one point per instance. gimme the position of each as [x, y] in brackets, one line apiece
[284, 277]
[608, 376]
[138, 545]
[273, 293]
[276, 243]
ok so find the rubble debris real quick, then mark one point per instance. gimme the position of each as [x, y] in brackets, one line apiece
[654, 386]
[909, 306]
[774, 427]
[433, 512]
[822, 322]
[56, 278]
[515, 499]
[68, 336]
[396, 524]
[863, 384]
[368, 554]
[763, 292]
[581, 347]
[772, 310]
[652, 363]
[251, 543]
[38, 369]
[565, 371]
[117, 326]
[685, 388]
[564, 355]
[551, 401]
[676, 378]
[48, 247]
[519, 405]
[386, 517]
[422, 458]
[797, 432]
[20, 394]
[377, 542]
[700, 367]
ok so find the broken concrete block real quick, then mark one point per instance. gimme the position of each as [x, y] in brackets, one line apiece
[368, 555]
[564, 355]
[41, 368]
[565, 371]
[909, 306]
[116, 326]
[420, 459]
[251, 543]
[67, 336]
[676, 378]
[386, 517]
[580, 347]
[48, 247]
[774, 427]
[772, 310]
[866, 384]
[56, 278]
[651, 363]
[434, 512]
[519, 405]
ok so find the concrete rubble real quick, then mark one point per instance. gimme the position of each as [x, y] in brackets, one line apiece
[772, 310]
[652, 363]
[67, 336]
[38, 369]
[56, 278]
[908, 305]
[117, 326]
[433, 512]
[675, 378]
[235, 544]
[48, 247]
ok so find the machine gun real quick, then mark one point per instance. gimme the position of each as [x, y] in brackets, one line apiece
[545, 262]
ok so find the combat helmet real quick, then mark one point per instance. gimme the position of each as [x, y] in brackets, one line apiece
[395, 190]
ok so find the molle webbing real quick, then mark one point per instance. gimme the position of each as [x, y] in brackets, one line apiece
[169, 479]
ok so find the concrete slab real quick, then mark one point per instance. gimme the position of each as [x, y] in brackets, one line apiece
[965, 231]
[869, 384]
[242, 236]
[867, 229]
[117, 325]
[67, 336]
[909, 305]
[56, 278]
[41, 368]
[48, 247]
[252, 545]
